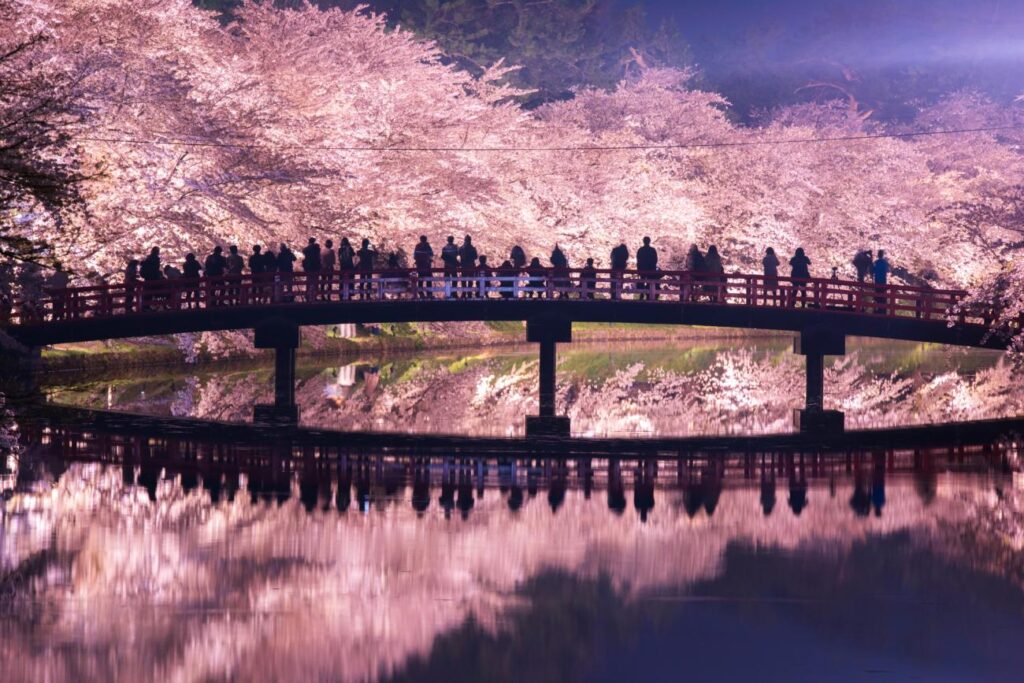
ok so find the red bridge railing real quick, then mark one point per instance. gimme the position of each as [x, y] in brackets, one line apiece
[663, 287]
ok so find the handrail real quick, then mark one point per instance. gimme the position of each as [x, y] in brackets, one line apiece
[498, 284]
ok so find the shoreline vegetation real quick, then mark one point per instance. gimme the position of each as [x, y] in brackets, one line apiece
[162, 352]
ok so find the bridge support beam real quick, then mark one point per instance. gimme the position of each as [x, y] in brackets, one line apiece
[282, 336]
[548, 331]
[814, 344]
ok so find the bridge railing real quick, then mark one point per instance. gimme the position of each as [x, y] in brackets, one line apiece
[395, 284]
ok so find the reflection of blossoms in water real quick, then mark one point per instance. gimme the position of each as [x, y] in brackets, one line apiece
[737, 391]
[10, 447]
[183, 589]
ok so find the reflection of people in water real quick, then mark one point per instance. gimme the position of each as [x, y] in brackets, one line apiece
[212, 484]
[149, 476]
[767, 486]
[343, 496]
[515, 498]
[558, 486]
[364, 495]
[711, 482]
[643, 489]
[585, 471]
[797, 484]
[860, 501]
[465, 491]
[189, 481]
[926, 482]
[616, 493]
[421, 488]
[447, 498]
[878, 483]
[231, 483]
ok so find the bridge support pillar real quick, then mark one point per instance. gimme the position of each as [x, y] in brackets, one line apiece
[814, 344]
[282, 336]
[548, 331]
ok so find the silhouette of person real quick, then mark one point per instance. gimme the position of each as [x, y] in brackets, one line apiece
[423, 258]
[257, 266]
[880, 272]
[328, 261]
[619, 261]
[190, 274]
[770, 263]
[518, 257]
[235, 265]
[862, 263]
[367, 256]
[467, 262]
[588, 280]
[149, 269]
[285, 268]
[538, 274]
[647, 265]
[346, 266]
[483, 272]
[800, 274]
[560, 271]
[131, 285]
[715, 274]
[697, 272]
[312, 260]
[450, 262]
[507, 274]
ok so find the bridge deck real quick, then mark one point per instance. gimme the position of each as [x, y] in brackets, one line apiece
[399, 295]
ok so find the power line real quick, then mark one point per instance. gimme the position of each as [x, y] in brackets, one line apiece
[567, 148]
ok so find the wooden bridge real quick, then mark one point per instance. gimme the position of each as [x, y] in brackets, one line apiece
[822, 313]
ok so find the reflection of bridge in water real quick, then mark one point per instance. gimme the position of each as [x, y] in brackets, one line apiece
[821, 313]
[334, 470]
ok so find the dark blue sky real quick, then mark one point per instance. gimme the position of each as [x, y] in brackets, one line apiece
[877, 32]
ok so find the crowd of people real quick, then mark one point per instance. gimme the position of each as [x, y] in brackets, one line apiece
[465, 273]
[345, 272]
